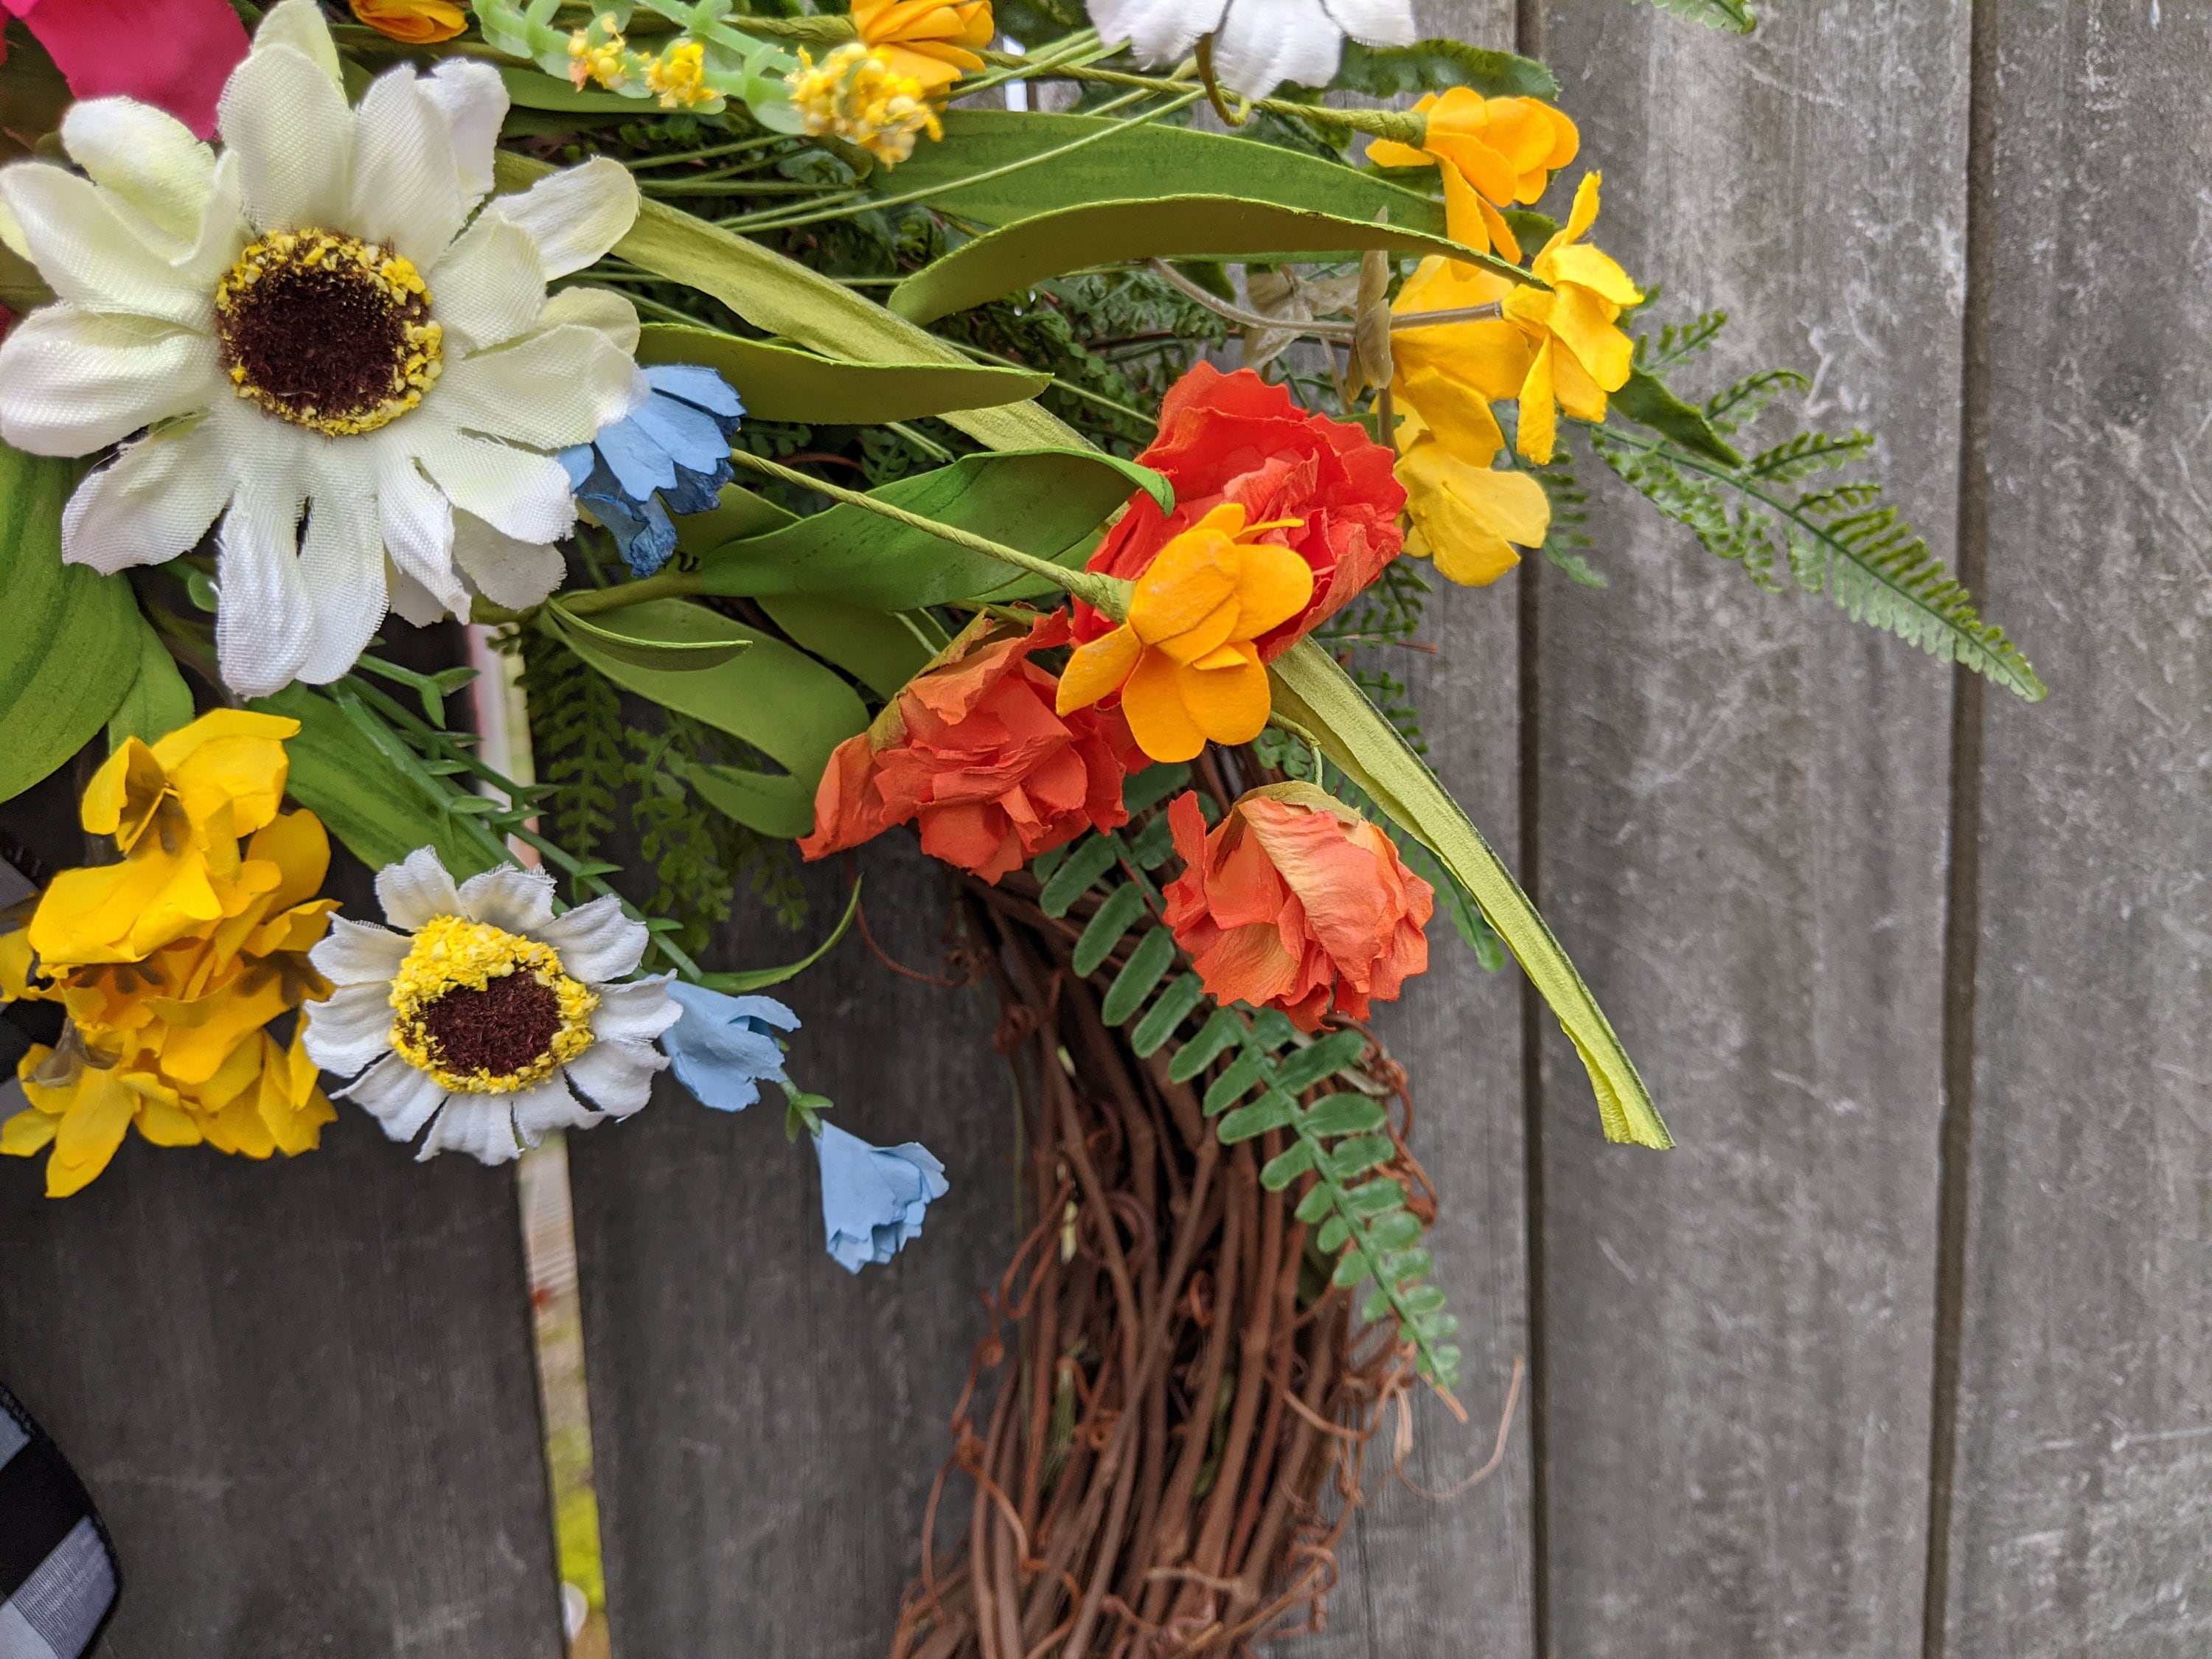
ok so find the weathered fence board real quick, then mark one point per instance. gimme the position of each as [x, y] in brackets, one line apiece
[1742, 833]
[2083, 1507]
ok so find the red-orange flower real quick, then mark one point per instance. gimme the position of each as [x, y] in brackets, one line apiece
[972, 748]
[1296, 901]
[1235, 438]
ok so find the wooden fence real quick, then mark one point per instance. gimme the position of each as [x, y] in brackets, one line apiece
[1908, 1349]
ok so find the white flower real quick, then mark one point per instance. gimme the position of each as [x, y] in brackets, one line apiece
[311, 326]
[1257, 44]
[483, 1016]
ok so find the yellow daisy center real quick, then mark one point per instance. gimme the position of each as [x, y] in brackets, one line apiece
[327, 332]
[485, 1012]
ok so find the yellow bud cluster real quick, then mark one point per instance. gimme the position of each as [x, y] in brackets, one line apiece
[855, 94]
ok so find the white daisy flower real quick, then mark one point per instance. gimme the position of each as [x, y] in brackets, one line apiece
[486, 1012]
[1257, 44]
[310, 326]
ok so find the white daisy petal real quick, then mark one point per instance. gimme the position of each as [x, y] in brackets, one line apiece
[514, 899]
[153, 501]
[264, 623]
[1161, 31]
[1261, 46]
[222, 229]
[577, 214]
[342, 567]
[617, 1075]
[301, 25]
[637, 1012]
[514, 574]
[415, 519]
[489, 287]
[1375, 22]
[483, 1126]
[72, 381]
[596, 941]
[146, 156]
[354, 1026]
[411, 599]
[406, 185]
[475, 101]
[551, 1105]
[524, 496]
[415, 892]
[354, 953]
[551, 389]
[286, 122]
[397, 1096]
[600, 308]
[87, 253]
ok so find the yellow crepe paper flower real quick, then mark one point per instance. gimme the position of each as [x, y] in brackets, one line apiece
[854, 94]
[1494, 152]
[1560, 347]
[1467, 513]
[1185, 662]
[418, 23]
[928, 41]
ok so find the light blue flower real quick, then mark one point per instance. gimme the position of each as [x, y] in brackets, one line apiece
[671, 455]
[872, 1197]
[724, 1048]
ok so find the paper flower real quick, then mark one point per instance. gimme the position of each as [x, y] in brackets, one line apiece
[928, 41]
[172, 1039]
[172, 54]
[855, 94]
[478, 1015]
[1294, 901]
[1257, 44]
[669, 454]
[1467, 513]
[418, 23]
[724, 1048]
[309, 331]
[1235, 438]
[1187, 663]
[1495, 151]
[873, 1197]
[973, 749]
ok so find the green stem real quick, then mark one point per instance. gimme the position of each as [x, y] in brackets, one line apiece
[669, 584]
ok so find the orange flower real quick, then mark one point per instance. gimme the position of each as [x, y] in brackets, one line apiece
[1296, 901]
[1493, 150]
[418, 23]
[1186, 663]
[973, 749]
[927, 40]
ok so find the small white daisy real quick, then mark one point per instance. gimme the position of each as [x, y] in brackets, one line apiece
[1257, 44]
[311, 326]
[487, 1011]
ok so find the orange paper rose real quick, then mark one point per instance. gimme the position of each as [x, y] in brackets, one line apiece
[972, 748]
[1296, 901]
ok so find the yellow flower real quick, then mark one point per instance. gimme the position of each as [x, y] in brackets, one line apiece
[928, 41]
[854, 94]
[1555, 348]
[176, 810]
[1467, 515]
[678, 76]
[418, 23]
[1185, 662]
[1492, 151]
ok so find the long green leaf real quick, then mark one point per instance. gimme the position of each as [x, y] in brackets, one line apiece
[1649, 401]
[688, 638]
[760, 978]
[1439, 65]
[1041, 502]
[158, 702]
[530, 88]
[883, 649]
[1312, 689]
[70, 637]
[781, 383]
[1047, 245]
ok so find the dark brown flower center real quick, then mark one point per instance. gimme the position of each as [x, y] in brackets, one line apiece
[506, 1028]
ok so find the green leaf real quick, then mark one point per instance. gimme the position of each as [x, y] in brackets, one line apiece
[1280, 1170]
[759, 978]
[782, 297]
[1336, 1232]
[1318, 1203]
[1437, 66]
[1356, 1158]
[529, 89]
[1732, 16]
[1028, 252]
[1273, 1110]
[693, 637]
[1325, 1058]
[1311, 688]
[70, 642]
[1222, 1030]
[22, 289]
[882, 649]
[1375, 1197]
[1153, 785]
[779, 806]
[1147, 963]
[781, 382]
[1090, 859]
[1108, 923]
[1177, 1004]
[1247, 1069]
[1347, 1113]
[158, 702]
[1649, 401]
[1394, 1230]
[1043, 502]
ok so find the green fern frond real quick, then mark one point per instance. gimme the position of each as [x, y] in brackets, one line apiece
[1809, 452]
[1733, 16]
[1679, 341]
[1747, 400]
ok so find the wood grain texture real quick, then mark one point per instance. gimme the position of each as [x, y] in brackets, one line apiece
[301, 1392]
[766, 1426]
[1743, 814]
[2083, 1506]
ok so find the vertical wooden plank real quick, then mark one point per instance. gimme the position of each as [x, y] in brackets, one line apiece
[1743, 815]
[767, 1426]
[300, 1392]
[2084, 1497]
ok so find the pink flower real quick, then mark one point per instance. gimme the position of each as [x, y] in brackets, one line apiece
[174, 54]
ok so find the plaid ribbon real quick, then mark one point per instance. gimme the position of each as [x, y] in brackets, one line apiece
[57, 1569]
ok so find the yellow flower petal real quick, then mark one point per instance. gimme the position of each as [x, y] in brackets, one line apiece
[1469, 517]
[1539, 417]
[27, 1133]
[1594, 268]
[1096, 669]
[1274, 585]
[1153, 704]
[1583, 216]
[1501, 233]
[1229, 704]
[1189, 580]
[1456, 414]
